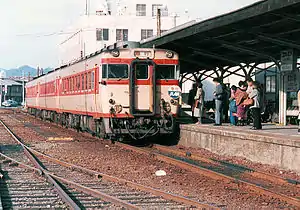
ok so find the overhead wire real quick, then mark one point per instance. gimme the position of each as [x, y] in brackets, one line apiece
[38, 35]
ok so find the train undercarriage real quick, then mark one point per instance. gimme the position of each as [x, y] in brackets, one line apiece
[138, 128]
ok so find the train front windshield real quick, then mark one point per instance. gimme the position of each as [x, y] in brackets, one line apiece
[164, 72]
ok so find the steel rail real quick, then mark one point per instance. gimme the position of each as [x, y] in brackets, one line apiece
[63, 195]
[79, 187]
[213, 174]
[251, 172]
[163, 194]
[52, 180]
[103, 176]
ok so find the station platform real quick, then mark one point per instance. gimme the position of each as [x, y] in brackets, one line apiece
[274, 145]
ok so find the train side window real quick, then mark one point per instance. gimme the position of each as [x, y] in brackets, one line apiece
[78, 83]
[92, 80]
[166, 72]
[74, 83]
[141, 71]
[117, 71]
[71, 84]
[104, 71]
[82, 82]
[86, 81]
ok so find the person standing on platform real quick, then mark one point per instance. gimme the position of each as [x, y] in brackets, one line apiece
[199, 103]
[226, 96]
[218, 93]
[250, 85]
[191, 101]
[255, 96]
[240, 96]
[299, 111]
[232, 105]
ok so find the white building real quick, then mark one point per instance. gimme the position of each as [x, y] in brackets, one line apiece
[110, 21]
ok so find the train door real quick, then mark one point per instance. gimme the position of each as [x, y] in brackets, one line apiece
[142, 88]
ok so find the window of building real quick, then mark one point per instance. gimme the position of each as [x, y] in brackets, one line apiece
[163, 10]
[102, 34]
[115, 71]
[146, 33]
[271, 84]
[122, 35]
[141, 10]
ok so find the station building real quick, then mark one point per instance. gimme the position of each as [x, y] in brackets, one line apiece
[10, 89]
[114, 21]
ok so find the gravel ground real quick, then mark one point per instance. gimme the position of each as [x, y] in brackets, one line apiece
[111, 159]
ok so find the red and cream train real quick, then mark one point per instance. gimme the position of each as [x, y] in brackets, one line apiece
[120, 90]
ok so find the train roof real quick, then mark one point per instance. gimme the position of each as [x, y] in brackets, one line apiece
[110, 48]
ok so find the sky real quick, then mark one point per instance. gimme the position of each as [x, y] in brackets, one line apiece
[30, 29]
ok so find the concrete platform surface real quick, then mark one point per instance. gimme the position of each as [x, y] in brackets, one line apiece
[275, 145]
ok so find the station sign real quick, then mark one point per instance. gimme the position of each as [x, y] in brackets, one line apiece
[291, 82]
[288, 60]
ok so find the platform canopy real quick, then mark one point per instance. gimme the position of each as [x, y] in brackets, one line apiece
[244, 38]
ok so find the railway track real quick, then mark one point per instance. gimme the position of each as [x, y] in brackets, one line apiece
[86, 189]
[21, 189]
[259, 182]
[285, 190]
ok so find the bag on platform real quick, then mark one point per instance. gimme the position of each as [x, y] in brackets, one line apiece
[197, 112]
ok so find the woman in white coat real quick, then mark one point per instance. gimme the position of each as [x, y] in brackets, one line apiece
[199, 103]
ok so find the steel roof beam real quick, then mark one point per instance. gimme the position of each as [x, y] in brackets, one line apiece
[246, 50]
[215, 56]
[278, 41]
[210, 55]
[208, 76]
[287, 16]
[234, 72]
[200, 64]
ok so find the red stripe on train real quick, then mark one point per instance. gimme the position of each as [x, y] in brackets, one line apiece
[93, 114]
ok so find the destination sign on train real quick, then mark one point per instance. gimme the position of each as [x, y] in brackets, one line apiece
[143, 54]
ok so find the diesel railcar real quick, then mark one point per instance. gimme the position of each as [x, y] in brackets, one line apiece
[117, 91]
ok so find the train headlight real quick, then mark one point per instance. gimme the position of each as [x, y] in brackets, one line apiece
[115, 53]
[173, 102]
[118, 108]
[169, 54]
[112, 101]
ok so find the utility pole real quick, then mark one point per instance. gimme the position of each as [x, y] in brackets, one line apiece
[87, 7]
[175, 20]
[158, 16]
